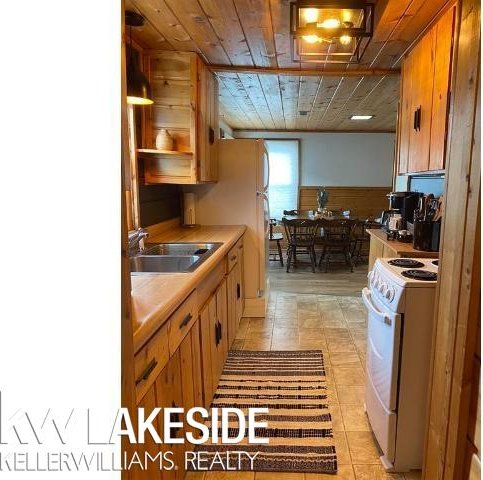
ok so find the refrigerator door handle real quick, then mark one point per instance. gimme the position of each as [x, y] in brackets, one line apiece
[267, 160]
[266, 232]
[267, 228]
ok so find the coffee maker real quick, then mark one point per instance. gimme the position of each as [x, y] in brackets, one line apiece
[405, 203]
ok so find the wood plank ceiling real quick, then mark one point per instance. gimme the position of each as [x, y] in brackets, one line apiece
[255, 33]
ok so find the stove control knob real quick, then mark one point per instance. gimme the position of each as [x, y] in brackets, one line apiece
[390, 294]
[382, 288]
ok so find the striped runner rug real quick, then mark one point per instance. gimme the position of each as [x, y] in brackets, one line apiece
[292, 385]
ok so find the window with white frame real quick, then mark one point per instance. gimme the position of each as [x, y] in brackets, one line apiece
[283, 185]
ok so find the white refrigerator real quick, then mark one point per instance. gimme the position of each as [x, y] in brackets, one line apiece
[241, 197]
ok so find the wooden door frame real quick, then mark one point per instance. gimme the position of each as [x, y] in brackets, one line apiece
[458, 293]
[128, 398]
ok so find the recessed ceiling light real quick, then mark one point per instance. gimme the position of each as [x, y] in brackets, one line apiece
[361, 117]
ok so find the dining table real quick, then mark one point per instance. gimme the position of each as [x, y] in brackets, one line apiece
[311, 216]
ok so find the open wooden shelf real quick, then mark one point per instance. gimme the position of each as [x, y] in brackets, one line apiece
[153, 151]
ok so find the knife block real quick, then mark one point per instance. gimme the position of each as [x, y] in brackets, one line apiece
[426, 235]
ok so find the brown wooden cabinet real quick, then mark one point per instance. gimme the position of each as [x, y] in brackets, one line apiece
[421, 101]
[208, 334]
[235, 294]
[214, 340]
[148, 403]
[186, 105]
[207, 128]
[425, 90]
[441, 88]
[169, 393]
[240, 290]
[222, 319]
[181, 364]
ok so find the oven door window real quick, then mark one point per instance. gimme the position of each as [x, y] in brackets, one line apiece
[383, 343]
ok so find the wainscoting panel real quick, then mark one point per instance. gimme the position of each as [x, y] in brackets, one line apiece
[363, 202]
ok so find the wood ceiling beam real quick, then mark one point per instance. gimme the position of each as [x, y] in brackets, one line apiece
[372, 72]
[311, 130]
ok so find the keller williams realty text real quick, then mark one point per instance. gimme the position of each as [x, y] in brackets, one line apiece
[50, 441]
[100, 462]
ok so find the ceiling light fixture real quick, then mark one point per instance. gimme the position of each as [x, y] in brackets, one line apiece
[330, 31]
[361, 117]
[138, 87]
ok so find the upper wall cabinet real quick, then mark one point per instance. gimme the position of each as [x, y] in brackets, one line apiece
[185, 110]
[425, 90]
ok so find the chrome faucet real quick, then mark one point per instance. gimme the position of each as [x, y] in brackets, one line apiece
[134, 239]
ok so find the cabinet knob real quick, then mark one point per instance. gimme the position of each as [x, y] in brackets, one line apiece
[211, 136]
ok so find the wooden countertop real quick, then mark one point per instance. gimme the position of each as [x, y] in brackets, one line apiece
[156, 296]
[402, 249]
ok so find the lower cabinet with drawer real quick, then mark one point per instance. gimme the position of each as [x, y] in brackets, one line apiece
[150, 361]
[181, 321]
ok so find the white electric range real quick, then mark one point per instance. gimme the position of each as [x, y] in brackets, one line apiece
[400, 302]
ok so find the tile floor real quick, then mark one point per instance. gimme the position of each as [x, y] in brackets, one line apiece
[337, 326]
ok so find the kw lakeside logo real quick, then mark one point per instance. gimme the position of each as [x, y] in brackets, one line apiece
[87, 440]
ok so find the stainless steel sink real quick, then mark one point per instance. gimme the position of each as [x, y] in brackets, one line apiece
[180, 248]
[163, 264]
[172, 257]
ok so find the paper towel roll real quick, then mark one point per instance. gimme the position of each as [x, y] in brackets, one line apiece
[189, 216]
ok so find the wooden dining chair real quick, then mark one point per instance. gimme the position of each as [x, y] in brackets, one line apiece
[300, 234]
[277, 238]
[336, 238]
[361, 239]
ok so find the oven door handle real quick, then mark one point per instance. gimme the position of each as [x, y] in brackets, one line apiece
[366, 298]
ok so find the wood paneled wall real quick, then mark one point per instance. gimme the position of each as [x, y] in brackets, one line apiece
[157, 203]
[363, 202]
[451, 441]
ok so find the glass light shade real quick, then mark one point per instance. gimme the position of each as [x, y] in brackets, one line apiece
[330, 18]
[345, 40]
[311, 38]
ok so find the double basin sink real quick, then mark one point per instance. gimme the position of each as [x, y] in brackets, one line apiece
[172, 257]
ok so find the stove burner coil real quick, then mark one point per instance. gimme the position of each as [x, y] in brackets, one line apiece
[405, 263]
[424, 275]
